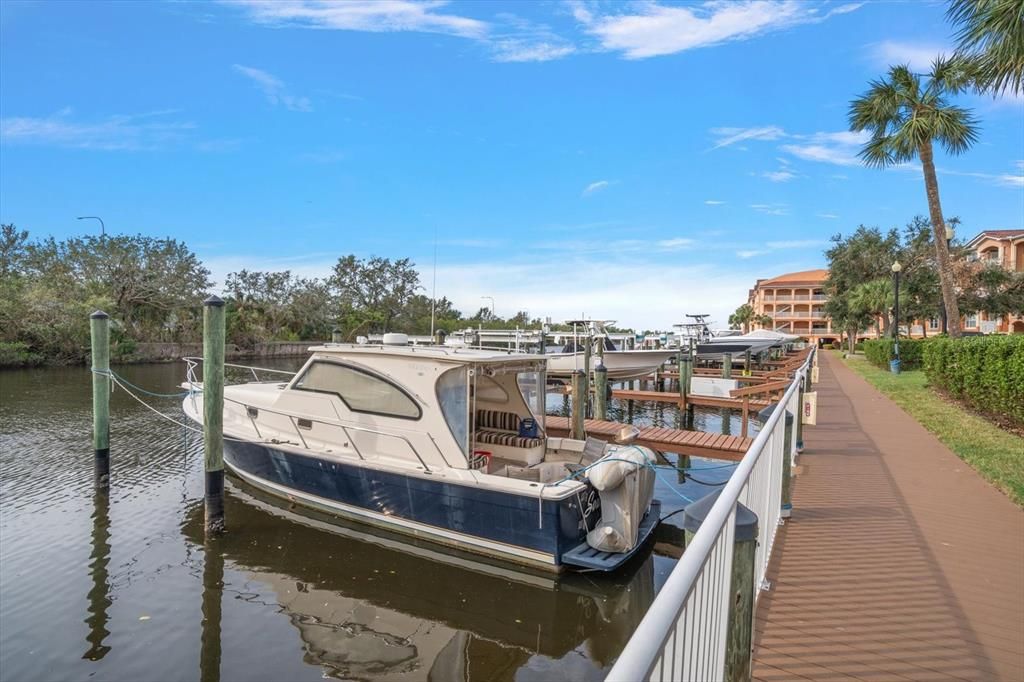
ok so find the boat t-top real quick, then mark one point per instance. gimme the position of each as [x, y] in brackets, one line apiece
[622, 365]
[446, 444]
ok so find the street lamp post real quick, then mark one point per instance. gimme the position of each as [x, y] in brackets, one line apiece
[949, 240]
[492, 304]
[894, 367]
[103, 228]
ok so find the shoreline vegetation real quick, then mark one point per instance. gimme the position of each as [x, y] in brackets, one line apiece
[153, 291]
[994, 451]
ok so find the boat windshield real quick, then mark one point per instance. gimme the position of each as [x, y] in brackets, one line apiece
[453, 396]
[532, 386]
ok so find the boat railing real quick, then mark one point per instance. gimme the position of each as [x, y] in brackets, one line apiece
[684, 634]
[192, 363]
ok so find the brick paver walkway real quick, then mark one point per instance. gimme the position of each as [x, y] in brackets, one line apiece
[899, 563]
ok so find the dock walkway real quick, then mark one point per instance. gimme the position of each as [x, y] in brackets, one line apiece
[899, 561]
[694, 443]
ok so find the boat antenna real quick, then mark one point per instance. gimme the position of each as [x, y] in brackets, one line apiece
[433, 289]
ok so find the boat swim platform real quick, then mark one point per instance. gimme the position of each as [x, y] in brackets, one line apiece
[693, 443]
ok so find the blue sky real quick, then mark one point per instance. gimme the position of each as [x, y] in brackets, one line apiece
[632, 161]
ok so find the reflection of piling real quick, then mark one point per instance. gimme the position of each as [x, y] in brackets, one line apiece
[213, 589]
[726, 414]
[99, 595]
[99, 327]
[579, 399]
[213, 411]
[601, 392]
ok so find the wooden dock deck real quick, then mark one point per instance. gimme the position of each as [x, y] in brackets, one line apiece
[899, 562]
[693, 443]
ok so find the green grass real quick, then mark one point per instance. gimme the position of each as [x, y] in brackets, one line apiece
[996, 454]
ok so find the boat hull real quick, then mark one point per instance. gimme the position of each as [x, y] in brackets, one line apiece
[622, 365]
[496, 523]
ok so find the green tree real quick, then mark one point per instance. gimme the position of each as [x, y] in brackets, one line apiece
[373, 292]
[905, 118]
[991, 41]
[874, 300]
[766, 321]
[742, 318]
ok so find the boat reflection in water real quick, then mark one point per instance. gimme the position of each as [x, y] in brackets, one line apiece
[371, 606]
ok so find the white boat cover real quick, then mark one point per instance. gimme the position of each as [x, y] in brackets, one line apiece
[625, 480]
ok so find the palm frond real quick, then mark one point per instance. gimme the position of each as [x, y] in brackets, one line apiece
[992, 33]
[955, 128]
[877, 153]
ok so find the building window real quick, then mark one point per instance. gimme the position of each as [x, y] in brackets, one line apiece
[990, 255]
[933, 323]
[972, 320]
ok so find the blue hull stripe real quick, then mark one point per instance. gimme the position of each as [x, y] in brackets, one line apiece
[492, 515]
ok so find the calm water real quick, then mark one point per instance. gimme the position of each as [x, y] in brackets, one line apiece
[124, 587]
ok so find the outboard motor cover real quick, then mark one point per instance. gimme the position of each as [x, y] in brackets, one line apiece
[625, 480]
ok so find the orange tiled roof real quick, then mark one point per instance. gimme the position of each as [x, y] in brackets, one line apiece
[802, 277]
[999, 234]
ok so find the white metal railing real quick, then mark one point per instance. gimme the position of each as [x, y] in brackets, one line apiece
[684, 633]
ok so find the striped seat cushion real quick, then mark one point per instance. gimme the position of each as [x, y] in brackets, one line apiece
[497, 419]
[493, 437]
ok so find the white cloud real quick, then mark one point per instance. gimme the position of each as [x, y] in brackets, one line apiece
[653, 29]
[749, 253]
[140, 132]
[830, 216]
[273, 89]
[675, 243]
[823, 154]
[595, 187]
[779, 175]
[516, 50]
[771, 209]
[919, 56]
[1013, 180]
[376, 16]
[730, 136]
[713, 202]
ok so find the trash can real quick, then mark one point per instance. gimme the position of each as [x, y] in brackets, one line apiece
[894, 366]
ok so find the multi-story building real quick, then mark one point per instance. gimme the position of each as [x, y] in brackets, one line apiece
[1004, 248]
[796, 303]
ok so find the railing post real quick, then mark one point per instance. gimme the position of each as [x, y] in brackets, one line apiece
[739, 635]
[213, 412]
[787, 467]
[99, 328]
[600, 392]
[727, 365]
[579, 399]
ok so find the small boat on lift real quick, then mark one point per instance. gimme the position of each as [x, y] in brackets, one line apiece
[445, 444]
[622, 365]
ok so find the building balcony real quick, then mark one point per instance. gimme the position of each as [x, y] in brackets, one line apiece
[799, 314]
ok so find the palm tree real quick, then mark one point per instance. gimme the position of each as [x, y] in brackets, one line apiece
[873, 298]
[766, 321]
[905, 117]
[991, 35]
[743, 316]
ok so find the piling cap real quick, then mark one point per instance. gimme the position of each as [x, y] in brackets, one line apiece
[599, 367]
[765, 414]
[696, 512]
[99, 315]
[214, 301]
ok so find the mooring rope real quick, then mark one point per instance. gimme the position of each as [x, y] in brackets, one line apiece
[122, 380]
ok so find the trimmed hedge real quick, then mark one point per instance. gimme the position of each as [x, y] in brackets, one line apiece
[880, 351]
[985, 371]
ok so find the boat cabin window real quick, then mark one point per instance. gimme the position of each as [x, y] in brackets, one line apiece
[453, 396]
[532, 385]
[359, 390]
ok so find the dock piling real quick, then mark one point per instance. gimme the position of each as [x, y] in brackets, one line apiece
[588, 360]
[727, 365]
[579, 388]
[601, 392]
[99, 332]
[739, 642]
[213, 412]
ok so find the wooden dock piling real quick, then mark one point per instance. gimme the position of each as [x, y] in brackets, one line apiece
[213, 412]
[600, 392]
[727, 365]
[99, 328]
[588, 360]
[579, 392]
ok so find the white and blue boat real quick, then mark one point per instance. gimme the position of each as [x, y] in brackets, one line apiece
[445, 444]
